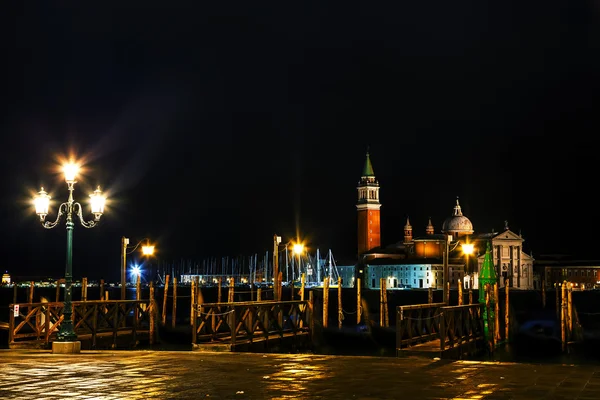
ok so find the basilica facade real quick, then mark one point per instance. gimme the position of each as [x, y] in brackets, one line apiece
[418, 261]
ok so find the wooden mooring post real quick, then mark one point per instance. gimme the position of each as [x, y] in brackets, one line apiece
[460, 293]
[151, 313]
[563, 317]
[358, 303]
[192, 300]
[507, 314]
[30, 291]
[543, 294]
[165, 297]
[325, 302]
[84, 285]
[557, 293]
[496, 313]
[340, 309]
[430, 295]
[383, 307]
[138, 287]
[174, 312]
[101, 289]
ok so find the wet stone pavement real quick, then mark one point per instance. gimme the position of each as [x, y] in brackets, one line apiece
[26, 374]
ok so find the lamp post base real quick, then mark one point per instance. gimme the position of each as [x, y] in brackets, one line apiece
[66, 347]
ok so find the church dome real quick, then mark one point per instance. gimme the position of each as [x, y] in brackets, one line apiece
[457, 223]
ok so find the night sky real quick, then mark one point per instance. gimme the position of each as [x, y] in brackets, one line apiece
[214, 125]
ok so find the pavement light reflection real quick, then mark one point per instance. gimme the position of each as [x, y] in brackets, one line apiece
[292, 377]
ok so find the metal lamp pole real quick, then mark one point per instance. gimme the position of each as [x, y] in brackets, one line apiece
[66, 332]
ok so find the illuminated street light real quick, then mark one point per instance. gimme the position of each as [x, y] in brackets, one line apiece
[147, 250]
[66, 334]
[298, 248]
[468, 248]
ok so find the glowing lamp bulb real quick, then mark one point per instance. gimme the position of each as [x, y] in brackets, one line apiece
[42, 203]
[468, 248]
[298, 248]
[70, 170]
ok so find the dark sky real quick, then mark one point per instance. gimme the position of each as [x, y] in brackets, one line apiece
[214, 125]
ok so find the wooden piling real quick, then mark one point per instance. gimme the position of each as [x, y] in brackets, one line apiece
[470, 296]
[460, 293]
[101, 289]
[280, 288]
[174, 313]
[57, 290]
[165, 297]
[489, 318]
[311, 319]
[31, 289]
[84, 285]
[569, 311]
[383, 310]
[430, 295]
[302, 286]
[325, 302]
[15, 293]
[192, 301]
[220, 290]
[506, 313]
[496, 313]
[151, 313]
[259, 294]
[557, 292]
[358, 302]
[138, 287]
[543, 294]
[448, 291]
[563, 317]
[231, 289]
[340, 309]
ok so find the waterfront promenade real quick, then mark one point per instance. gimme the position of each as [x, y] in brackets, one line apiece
[28, 374]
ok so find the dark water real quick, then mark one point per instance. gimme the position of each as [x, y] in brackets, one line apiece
[353, 339]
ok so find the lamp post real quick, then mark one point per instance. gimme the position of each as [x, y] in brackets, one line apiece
[467, 249]
[147, 250]
[276, 282]
[66, 333]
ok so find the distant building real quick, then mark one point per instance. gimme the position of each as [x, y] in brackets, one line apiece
[6, 278]
[553, 269]
[418, 262]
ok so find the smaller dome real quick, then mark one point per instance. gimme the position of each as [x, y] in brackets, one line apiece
[457, 223]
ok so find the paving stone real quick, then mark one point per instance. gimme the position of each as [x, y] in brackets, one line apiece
[194, 375]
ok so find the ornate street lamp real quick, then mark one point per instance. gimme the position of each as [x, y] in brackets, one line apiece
[66, 332]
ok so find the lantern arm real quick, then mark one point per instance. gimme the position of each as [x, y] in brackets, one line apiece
[134, 248]
[61, 210]
[79, 211]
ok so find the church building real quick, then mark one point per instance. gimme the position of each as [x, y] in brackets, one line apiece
[419, 261]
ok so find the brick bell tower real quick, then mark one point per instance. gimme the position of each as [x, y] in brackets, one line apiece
[369, 228]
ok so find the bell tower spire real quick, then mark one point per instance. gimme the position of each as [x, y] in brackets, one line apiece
[369, 228]
[408, 236]
[429, 228]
